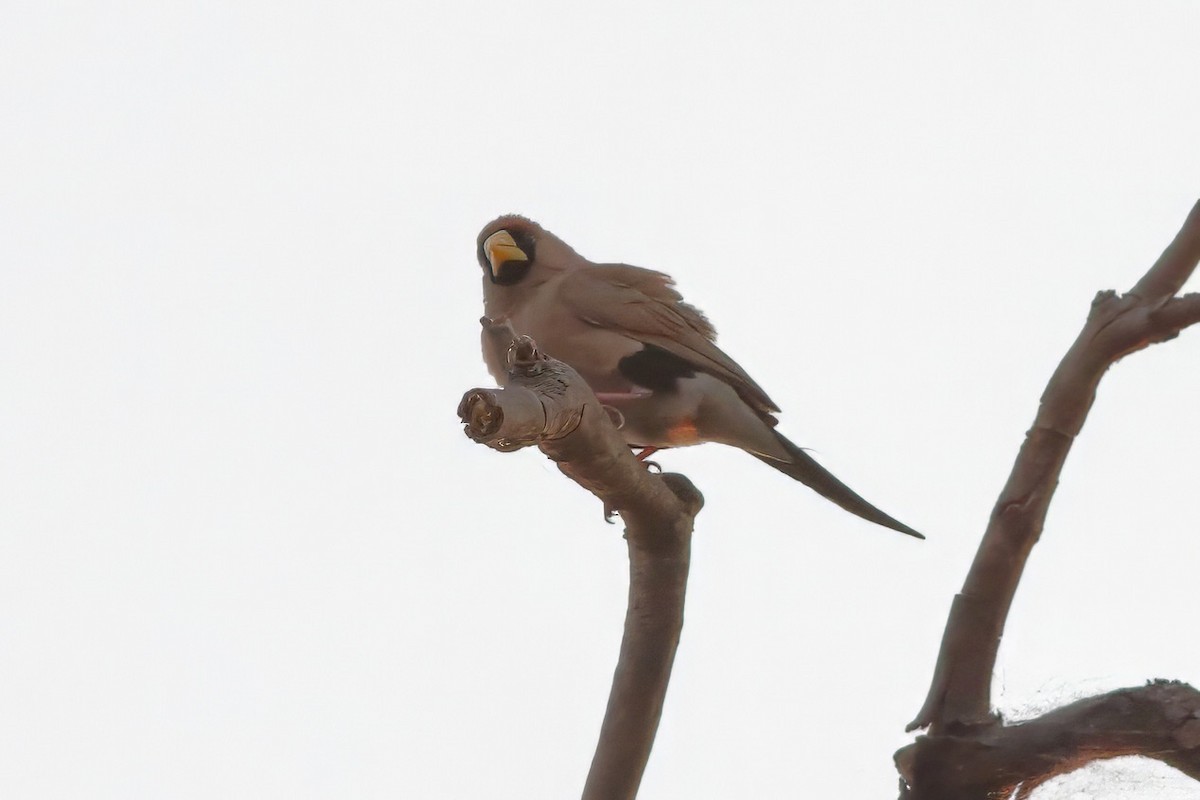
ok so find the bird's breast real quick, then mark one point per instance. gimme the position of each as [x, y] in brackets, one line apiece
[594, 352]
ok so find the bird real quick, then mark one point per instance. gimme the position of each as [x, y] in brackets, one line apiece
[643, 351]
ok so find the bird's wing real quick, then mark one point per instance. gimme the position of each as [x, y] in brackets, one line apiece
[643, 305]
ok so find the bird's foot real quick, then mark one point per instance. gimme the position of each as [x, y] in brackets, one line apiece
[644, 455]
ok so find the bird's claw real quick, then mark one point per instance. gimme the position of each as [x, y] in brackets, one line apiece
[614, 416]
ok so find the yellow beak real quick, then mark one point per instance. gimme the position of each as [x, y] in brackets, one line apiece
[500, 248]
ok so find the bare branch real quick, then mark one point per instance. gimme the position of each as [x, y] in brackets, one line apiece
[1180, 312]
[545, 403]
[658, 571]
[969, 753]
[1164, 280]
[960, 694]
[1160, 720]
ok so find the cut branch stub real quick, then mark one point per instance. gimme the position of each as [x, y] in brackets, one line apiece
[544, 402]
[544, 399]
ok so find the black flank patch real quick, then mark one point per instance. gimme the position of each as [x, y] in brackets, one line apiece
[655, 369]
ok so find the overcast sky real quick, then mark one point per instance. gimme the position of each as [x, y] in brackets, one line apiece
[245, 549]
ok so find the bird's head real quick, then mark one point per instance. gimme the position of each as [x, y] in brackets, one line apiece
[511, 247]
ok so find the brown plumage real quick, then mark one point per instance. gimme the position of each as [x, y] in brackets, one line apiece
[642, 349]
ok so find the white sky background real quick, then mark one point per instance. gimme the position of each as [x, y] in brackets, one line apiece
[245, 549]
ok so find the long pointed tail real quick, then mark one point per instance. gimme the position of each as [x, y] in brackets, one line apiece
[805, 469]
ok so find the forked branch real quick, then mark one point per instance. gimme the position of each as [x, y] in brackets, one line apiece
[1161, 719]
[958, 706]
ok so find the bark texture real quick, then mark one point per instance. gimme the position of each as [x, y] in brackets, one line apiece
[969, 752]
[1160, 720]
[546, 404]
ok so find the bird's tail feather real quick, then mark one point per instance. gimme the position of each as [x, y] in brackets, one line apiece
[805, 469]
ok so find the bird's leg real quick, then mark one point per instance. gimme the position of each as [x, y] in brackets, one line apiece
[647, 452]
[644, 455]
[617, 397]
